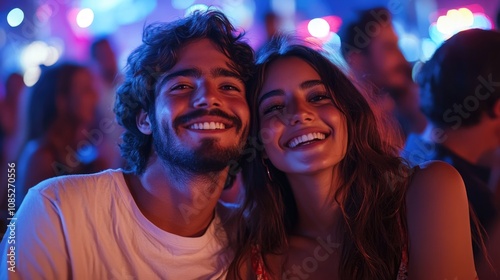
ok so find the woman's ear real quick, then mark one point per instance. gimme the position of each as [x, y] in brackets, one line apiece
[143, 122]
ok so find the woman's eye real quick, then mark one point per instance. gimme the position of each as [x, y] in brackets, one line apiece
[320, 97]
[273, 108]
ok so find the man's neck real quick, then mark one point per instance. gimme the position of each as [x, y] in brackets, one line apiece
[179, 203]
[470, 143]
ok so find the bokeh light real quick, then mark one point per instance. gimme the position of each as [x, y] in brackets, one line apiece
[15, 17]
[31, 76]
[428, 49]
[435, 35]
[240, 12]
[283, 8]
[102, 5]
[3, 37]
[182, 4]
[410, 46]
[132, 11]
[84, 18]
[466, 16]
[318, 28]
[44, 13]
[457, 20]
[35, 54]
[333, 44]
[415, 70]
[196, 7]
[481, 21]
[110, 15]
[52, 55]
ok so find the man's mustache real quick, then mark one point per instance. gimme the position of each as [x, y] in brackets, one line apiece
[235, 121]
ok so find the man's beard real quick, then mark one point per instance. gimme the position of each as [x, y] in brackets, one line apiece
[208, 157]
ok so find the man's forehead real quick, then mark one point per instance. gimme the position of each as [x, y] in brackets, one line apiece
[196, 71]
[198, 46]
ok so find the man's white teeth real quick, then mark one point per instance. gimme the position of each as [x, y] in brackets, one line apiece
[208, 125]
[305, 138]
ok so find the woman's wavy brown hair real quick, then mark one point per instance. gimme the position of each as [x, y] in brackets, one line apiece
[371, 193]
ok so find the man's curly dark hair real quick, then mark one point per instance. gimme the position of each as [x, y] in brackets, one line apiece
[147, 65]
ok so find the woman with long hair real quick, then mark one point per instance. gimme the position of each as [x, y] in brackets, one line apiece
[60, 108]
[327, 197]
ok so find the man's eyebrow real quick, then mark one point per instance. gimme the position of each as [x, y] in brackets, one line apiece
[222, 72]
[189, 72]
[310, 84]
[270, 94]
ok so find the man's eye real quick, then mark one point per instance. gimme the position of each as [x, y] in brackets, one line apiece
[230, 87]
[180, 87]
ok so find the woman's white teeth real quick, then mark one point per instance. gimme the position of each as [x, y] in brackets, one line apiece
[306, 138]
[208, 125]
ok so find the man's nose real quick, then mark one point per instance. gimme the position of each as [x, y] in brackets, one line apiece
[206, 97]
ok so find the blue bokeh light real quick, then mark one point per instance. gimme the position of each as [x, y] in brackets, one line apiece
[15, 17]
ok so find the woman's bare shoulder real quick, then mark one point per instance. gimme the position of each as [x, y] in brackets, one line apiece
[435, 179]
[438, 224]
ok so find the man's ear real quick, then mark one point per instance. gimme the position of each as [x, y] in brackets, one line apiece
[143, 122]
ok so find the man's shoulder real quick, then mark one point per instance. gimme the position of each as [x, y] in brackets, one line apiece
[78, 183]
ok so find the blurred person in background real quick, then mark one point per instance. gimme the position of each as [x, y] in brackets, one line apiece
[103, 55]
[10, 134]
[104, 62]
[498, 19]
[370, 47]
[460, 91]
[272, 23]
[9, 116]
[61, 106]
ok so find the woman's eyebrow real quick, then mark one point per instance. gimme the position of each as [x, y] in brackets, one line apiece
[269, 94]
[276, 92]
[311, 83]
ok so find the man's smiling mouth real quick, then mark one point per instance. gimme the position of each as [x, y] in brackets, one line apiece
[207, 125]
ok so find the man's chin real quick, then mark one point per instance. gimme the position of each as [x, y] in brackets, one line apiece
[218, 156]
[211, 157]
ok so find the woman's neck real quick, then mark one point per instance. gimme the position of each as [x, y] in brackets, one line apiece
[318, 212]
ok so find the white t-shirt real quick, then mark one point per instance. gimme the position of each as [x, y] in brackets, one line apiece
[89, 227]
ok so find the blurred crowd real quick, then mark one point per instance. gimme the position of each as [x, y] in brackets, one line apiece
[448, 110]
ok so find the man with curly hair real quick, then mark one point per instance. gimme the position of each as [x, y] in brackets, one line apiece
[183, 107]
